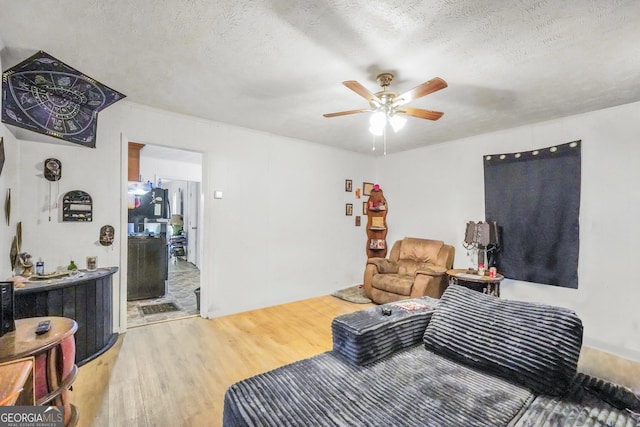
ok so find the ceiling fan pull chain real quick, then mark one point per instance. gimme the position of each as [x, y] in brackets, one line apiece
[373, 148]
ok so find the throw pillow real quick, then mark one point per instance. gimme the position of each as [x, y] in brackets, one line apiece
[536, 345]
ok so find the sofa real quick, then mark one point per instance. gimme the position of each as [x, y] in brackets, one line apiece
[415, 268]
[468, 359]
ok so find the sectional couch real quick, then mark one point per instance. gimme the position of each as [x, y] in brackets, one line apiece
[467, 359]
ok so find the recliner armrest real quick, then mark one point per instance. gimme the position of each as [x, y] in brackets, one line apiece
[383, 265]
[434, 270]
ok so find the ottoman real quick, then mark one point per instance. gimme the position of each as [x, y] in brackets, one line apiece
[368, 335]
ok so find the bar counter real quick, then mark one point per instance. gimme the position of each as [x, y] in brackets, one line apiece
[87, 299]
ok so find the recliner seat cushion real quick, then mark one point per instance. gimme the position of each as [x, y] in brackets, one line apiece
[536, 345]
[394, 283]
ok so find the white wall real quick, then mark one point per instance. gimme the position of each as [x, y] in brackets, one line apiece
[278, 235]
[152, 168]
[8, 182]
[89, 170]
[433, 191]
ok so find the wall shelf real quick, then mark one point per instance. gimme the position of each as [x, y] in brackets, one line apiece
[377, 224]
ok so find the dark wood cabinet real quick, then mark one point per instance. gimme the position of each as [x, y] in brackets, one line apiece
[87, 299]
[134, 161]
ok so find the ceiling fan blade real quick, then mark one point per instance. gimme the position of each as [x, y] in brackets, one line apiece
[419, 91]
[420, 113]
[362, 91]
[344, 113]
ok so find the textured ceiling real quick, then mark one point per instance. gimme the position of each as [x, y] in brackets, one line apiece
[277, 65]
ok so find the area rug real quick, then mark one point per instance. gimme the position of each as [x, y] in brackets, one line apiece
[159, 308]
[353, 294]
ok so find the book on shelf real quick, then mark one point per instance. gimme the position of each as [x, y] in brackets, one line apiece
[377, 244]
[377, 221]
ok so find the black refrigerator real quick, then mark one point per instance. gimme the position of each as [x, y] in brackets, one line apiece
[147, 266]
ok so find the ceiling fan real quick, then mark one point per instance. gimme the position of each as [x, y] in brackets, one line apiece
[388, 106]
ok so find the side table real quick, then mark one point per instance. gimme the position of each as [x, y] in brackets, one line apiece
[54, 354]
[484, 284]
[16, 382]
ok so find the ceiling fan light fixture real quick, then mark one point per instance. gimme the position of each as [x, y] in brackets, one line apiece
[377, 131]
[397, 122]
[377, 123]
[378, 119]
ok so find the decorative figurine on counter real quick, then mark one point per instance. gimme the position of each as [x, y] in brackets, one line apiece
[25, 262]
[107, 233]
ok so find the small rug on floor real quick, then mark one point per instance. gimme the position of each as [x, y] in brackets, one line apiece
[159, 308]
[353, 294]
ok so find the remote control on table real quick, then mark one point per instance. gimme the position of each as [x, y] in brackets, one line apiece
[43, 327]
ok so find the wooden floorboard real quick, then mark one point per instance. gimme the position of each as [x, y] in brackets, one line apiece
[176, 373]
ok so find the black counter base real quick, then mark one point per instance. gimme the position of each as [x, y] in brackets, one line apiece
[87, 300]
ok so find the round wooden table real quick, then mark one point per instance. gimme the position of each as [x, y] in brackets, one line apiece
[484, 284]
[54, 354]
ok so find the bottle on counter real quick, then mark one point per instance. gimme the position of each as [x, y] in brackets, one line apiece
[40, 267]
[72, 266]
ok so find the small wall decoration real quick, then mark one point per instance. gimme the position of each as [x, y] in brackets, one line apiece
[1, 154]
[357, 193]
[365, 208]
[44, 95]
[348, 185]
[357, 220]
[107, 233]
[77, 206]
[349, 210]
[52, 170]
[367, 187]
[7, 206]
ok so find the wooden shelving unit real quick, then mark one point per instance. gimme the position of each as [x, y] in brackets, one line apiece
[377, 224]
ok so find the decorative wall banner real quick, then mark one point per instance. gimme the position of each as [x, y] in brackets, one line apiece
[44, 95]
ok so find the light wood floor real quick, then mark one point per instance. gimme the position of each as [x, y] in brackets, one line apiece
[175, 373]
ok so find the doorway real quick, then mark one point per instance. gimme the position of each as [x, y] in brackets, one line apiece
[175, 175]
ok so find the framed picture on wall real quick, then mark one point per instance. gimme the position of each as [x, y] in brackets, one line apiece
[357, 220]
[349, 210]
[366, 188]
[348, 185]
[365, 208]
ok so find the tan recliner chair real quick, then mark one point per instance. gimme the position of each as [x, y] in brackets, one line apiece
[415, 268]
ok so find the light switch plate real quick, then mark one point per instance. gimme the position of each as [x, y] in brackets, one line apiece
[217, 194]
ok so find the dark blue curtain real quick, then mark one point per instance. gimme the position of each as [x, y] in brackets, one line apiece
[534, 197]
